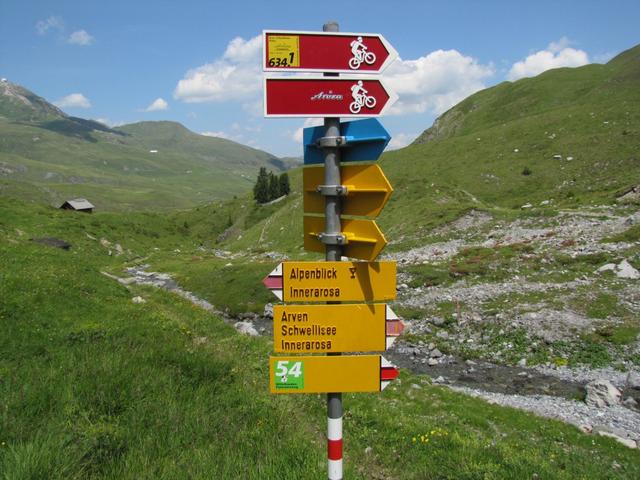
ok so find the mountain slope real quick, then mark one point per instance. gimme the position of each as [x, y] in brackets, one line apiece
[566, 138]
[588, 86]
[48, 155]
[19, 104]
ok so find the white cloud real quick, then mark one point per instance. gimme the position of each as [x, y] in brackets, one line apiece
[217, 134]
[80, 37]
[558, 54]
[157, 105]
[53, 22]
[297, 135]
[436, 81]
[235, 76]
[401, 140]
[109, 123]
[603, 57]
[74, 100]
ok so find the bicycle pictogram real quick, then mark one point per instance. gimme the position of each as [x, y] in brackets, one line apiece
[360, 98]
[360, 54]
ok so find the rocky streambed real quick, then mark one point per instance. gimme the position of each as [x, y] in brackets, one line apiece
[547, 391]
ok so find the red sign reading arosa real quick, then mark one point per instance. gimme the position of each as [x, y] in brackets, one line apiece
[326, 52]
[326, 97]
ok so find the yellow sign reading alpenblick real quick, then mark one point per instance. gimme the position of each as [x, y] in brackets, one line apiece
[329, 328]
[338, 281]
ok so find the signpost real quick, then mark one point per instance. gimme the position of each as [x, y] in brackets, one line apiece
[334, 328]
[334, 190]
[314, 374]
[338, 52]
[333, 281]
[366, 190]
[362, 140]
[359, 238]
[326, 97]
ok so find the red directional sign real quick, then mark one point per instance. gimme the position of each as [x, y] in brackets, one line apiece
[326, 52]
[326, 97]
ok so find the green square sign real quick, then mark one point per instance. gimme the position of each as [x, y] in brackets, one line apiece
[289, 375]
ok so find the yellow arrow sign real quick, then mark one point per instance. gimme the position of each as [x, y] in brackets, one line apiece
[322, 374]
[333, 281]
[368, 190]
[334, 328]
[363, 238]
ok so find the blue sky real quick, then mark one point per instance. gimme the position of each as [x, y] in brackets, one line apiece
[198, 62]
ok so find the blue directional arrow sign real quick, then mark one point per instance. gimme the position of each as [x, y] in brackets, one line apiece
[364, 140]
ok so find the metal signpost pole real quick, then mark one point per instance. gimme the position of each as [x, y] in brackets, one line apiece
[333, 253]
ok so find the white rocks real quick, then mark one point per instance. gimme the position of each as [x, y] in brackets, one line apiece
[268, 310]
[246, 328]
[609, 267]
[633, 380]
[522, 362]
[432, 362]
[435, 353]
[616, 420]
[602, 393]
[622, 270]
[626, 270]
[627, 442]
[138, 299]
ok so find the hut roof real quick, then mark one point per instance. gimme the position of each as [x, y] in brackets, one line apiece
[80, 204]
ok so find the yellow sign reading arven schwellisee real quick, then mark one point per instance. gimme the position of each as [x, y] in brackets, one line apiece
[329, 328]
[338, 281]
[321, 374]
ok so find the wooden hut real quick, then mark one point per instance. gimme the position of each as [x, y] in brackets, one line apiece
[78, 204]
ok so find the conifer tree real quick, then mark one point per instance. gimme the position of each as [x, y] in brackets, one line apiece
[285, 187]
[274, 187]
[261, 188]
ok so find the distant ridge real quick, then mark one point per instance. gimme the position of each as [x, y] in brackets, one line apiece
[47, 154]
[19, 104]
[550, 90]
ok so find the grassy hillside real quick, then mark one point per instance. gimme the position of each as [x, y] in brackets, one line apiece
[45, 154]
[568, 137]
[95, 386]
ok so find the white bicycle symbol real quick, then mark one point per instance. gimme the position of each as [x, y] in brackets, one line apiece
[364, 57]
[362, 100]
[360, 54]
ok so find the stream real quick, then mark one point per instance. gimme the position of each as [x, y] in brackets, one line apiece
[551, 393]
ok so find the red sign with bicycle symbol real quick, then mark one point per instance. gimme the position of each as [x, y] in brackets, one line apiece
[326, 52]
[326, 97]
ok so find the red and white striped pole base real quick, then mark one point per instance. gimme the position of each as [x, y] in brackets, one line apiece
[334, 437]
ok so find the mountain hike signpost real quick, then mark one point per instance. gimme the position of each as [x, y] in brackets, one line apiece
[305, 331]
[336, 52]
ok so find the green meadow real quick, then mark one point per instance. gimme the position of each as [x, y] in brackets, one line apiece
[95, 386]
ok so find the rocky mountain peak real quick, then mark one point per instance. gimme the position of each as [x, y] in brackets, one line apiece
[21, 104]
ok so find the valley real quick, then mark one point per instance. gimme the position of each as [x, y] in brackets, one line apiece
[140, 350]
